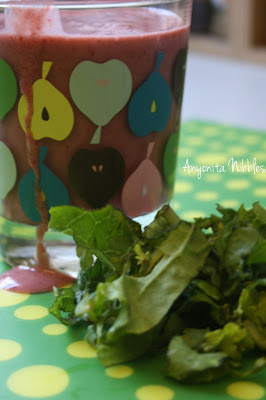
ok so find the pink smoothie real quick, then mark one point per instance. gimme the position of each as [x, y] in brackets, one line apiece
[90, 35]
[101, 156]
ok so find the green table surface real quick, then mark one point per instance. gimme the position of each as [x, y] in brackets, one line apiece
[40, 358]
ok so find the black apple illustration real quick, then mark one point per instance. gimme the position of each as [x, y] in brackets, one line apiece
[97, 174]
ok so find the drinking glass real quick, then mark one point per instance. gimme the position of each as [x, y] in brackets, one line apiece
[90, 106]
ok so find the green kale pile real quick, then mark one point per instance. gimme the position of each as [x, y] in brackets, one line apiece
[194, 290]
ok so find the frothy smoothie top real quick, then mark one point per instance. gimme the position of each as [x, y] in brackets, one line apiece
[48, 21]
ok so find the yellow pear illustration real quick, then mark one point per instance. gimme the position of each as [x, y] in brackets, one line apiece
[52, 116]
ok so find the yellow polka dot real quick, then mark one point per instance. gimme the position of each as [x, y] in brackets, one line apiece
[154, 392]
[246, 390]
[237, 151]
[175, 205]
[260, 176]
[81, 349]
[190, 215]
[54, 329]
[230, 135]
[250, 139]
[237, 184]
[206, 196]
[38, 381]
[230, 203]
[185, 151]
[260, 157]
[9, 349]
[261, 192]
[208, 159]
[214, 178]
[194, 140]
[119, 371]
[31, 312]
[10, 298]
[215, 145]
[210, 131]
[183, 187]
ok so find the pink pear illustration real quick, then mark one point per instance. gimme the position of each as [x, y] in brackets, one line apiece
[142, 191]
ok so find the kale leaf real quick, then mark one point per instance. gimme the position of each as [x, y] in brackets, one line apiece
[196, 289]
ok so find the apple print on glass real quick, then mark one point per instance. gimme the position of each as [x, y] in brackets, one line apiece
[8, 88]
[54, 191]
[142, 191]
[150, 106]
[97, 174]
[100, 91]
[53, 116]
[8, 170]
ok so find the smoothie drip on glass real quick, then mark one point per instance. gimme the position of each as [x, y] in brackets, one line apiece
[77, 131]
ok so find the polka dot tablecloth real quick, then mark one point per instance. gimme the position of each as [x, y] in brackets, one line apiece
[218, 165]
[41, 358]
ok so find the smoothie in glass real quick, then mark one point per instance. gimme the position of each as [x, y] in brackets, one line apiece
[94, 111]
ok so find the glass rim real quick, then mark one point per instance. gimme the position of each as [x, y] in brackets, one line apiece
[86, 4]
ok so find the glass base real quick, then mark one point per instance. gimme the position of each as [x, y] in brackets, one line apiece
[18, 251]
[18, 247]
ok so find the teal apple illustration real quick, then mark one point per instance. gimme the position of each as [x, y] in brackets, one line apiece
[170, 159]
[54, 191]
[150, 107]
[100, 91]
[8, 88]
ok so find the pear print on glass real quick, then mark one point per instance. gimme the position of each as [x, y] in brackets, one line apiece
[100, 91]
[8, 88]
[143, 189]
[53, 116]
[8, 170]
[150, 106]
[54, 191]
